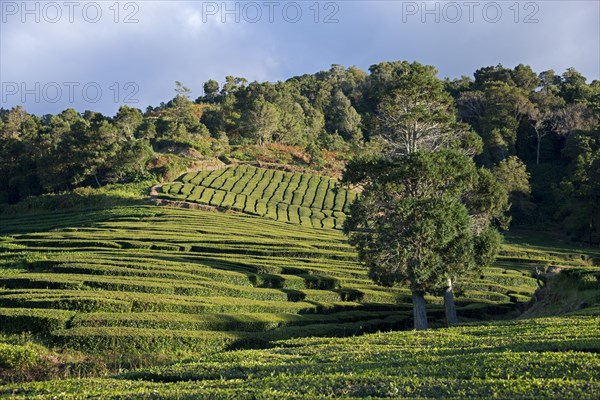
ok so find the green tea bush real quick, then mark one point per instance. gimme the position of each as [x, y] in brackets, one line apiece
[329, 201]
[187, 189]
[310, 192]
[282, 212]
[294, 214]
[14, 320]
[188, 177]
[217, 198]
[304, 212]
[207, 195]
[261, 208]
[350, 198]
[196, 193]
[228, 200]
[99, 340]
[292, 187]
[196, 180]
[328, 223]
[320, 194]
[24, 362]
[176, 188]
[240, 202]
[271, 211]
[340, 199]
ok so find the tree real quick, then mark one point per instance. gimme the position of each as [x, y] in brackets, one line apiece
[497, 146]
[128, 120]
[233, 84]
[512, 174]
[581, 187]
[551, 115]
[316, 156]
[181, 110]
[497, 73]
[343, 118]
[211, 90]
[505, 106]
[573, 118]
[544, 116]
[181, 90]
[91, 150]
[416, 113]
[18, 152]
[416, 120]
[573, 87]
[418, 219]
[524, 78]
[549, 82]
[539, 122]
[127, 163]
[261, 121]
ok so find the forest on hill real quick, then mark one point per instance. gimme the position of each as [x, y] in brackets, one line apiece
[538, 132]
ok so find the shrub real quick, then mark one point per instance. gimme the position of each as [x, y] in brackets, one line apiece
[167, 167]
[33, 320]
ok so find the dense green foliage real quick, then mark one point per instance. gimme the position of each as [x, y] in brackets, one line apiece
[547, 122]
[553, 358]
[423, 220]
[310, 200]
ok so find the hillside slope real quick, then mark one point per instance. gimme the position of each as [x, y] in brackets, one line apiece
[153, 278]
[301, 198]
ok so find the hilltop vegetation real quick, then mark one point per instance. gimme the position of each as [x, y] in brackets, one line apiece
[539, 131]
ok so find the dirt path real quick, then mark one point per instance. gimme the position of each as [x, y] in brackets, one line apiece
[157, 201]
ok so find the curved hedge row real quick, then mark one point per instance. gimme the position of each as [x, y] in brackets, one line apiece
[147, 268]
[306, 199]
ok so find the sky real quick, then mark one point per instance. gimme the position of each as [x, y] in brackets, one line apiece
[99, 55]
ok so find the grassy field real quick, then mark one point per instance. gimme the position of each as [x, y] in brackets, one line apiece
[122, 283]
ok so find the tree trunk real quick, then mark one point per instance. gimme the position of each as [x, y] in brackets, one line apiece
[451, 318]
[419, 311]
[591, 231]
[537, 158]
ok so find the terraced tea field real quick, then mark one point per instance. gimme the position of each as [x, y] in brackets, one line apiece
[150, 278]
[550, 358]
[310, 200]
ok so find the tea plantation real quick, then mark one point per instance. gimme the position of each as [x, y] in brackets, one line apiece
[157, 278]
[244, 300]
[307, 199]
[550, 358]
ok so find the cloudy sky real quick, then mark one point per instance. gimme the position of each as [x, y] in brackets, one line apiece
[97, 56]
